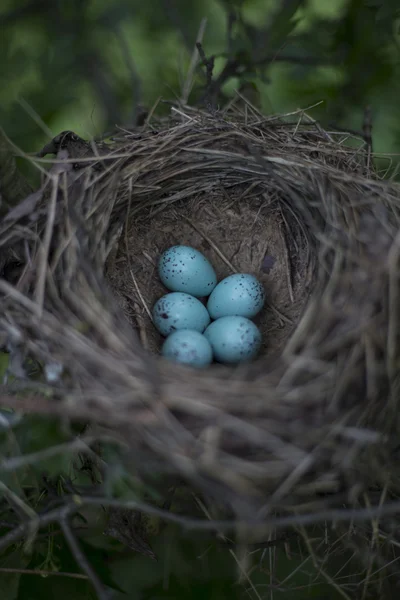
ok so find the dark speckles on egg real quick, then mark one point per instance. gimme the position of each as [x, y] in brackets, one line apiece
[192, 272]
[188, 347]
[239, 294]
[234, 339]
[179, 311]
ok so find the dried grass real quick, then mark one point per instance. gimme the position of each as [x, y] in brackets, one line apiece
[313, 423]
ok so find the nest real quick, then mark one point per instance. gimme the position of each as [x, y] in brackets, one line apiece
[310, 425]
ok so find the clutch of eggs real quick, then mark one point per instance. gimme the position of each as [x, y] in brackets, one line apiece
[181, 317]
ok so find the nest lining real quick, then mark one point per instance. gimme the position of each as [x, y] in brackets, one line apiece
[239, 232]
[299, 423]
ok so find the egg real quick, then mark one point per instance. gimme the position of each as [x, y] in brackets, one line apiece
[184, 269]
[188, 347]
[233, 339]
[240, 295]
[179, 311]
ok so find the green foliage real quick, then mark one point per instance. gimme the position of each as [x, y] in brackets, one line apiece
[189, 564]
[86, 65]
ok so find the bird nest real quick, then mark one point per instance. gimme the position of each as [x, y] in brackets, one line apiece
[313, 422]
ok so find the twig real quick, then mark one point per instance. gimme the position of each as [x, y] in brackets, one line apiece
[367, 135]
[81, 558]
[319, 568]
[139, 293]
[35, 116]
[45, 248]
[213, 245]
[16, 502]
[42, 521]
[21, 507]
[126, 236]
[74, 503]
[43, 573]
[287, 264]
[230, 70]
[332, 515]
[209, 65]
[141, 327]
[79, 445]
[152, 111]
[187, 86]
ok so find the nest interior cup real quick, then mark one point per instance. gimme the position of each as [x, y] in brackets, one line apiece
[238, 230]
[285, 201]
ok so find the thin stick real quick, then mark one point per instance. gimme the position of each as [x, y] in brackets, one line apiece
[142, 329]
[45, 248]
[208, 63]
[152, 111]
[319, 568]
[367, 135]
[139, 293]
[17, 502]
[187, 86]
[74, 503]
[245, 574]
[334, 514]
[42, 520]
[278, 313]
[43, 573]
[212, 244]
[81, 558]
[287, 264]
[79, 445]
[149, 258]
[35, 117]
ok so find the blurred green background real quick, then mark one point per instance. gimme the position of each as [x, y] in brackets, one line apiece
[86, 65]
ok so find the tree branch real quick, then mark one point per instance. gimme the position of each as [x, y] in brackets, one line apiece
[81, 558]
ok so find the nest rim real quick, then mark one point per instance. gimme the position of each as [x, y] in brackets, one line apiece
[303, 429]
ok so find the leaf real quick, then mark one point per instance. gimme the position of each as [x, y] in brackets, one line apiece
[130, 528]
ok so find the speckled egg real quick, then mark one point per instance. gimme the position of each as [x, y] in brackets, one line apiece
[184, 269]
[240, 295]
[233, 339]
[179, 311]
[188, 347]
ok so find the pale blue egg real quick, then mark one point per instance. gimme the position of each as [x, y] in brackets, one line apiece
[179, 311]
[184, 269]
[188, 347]
[240, 295]
[233, 339]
